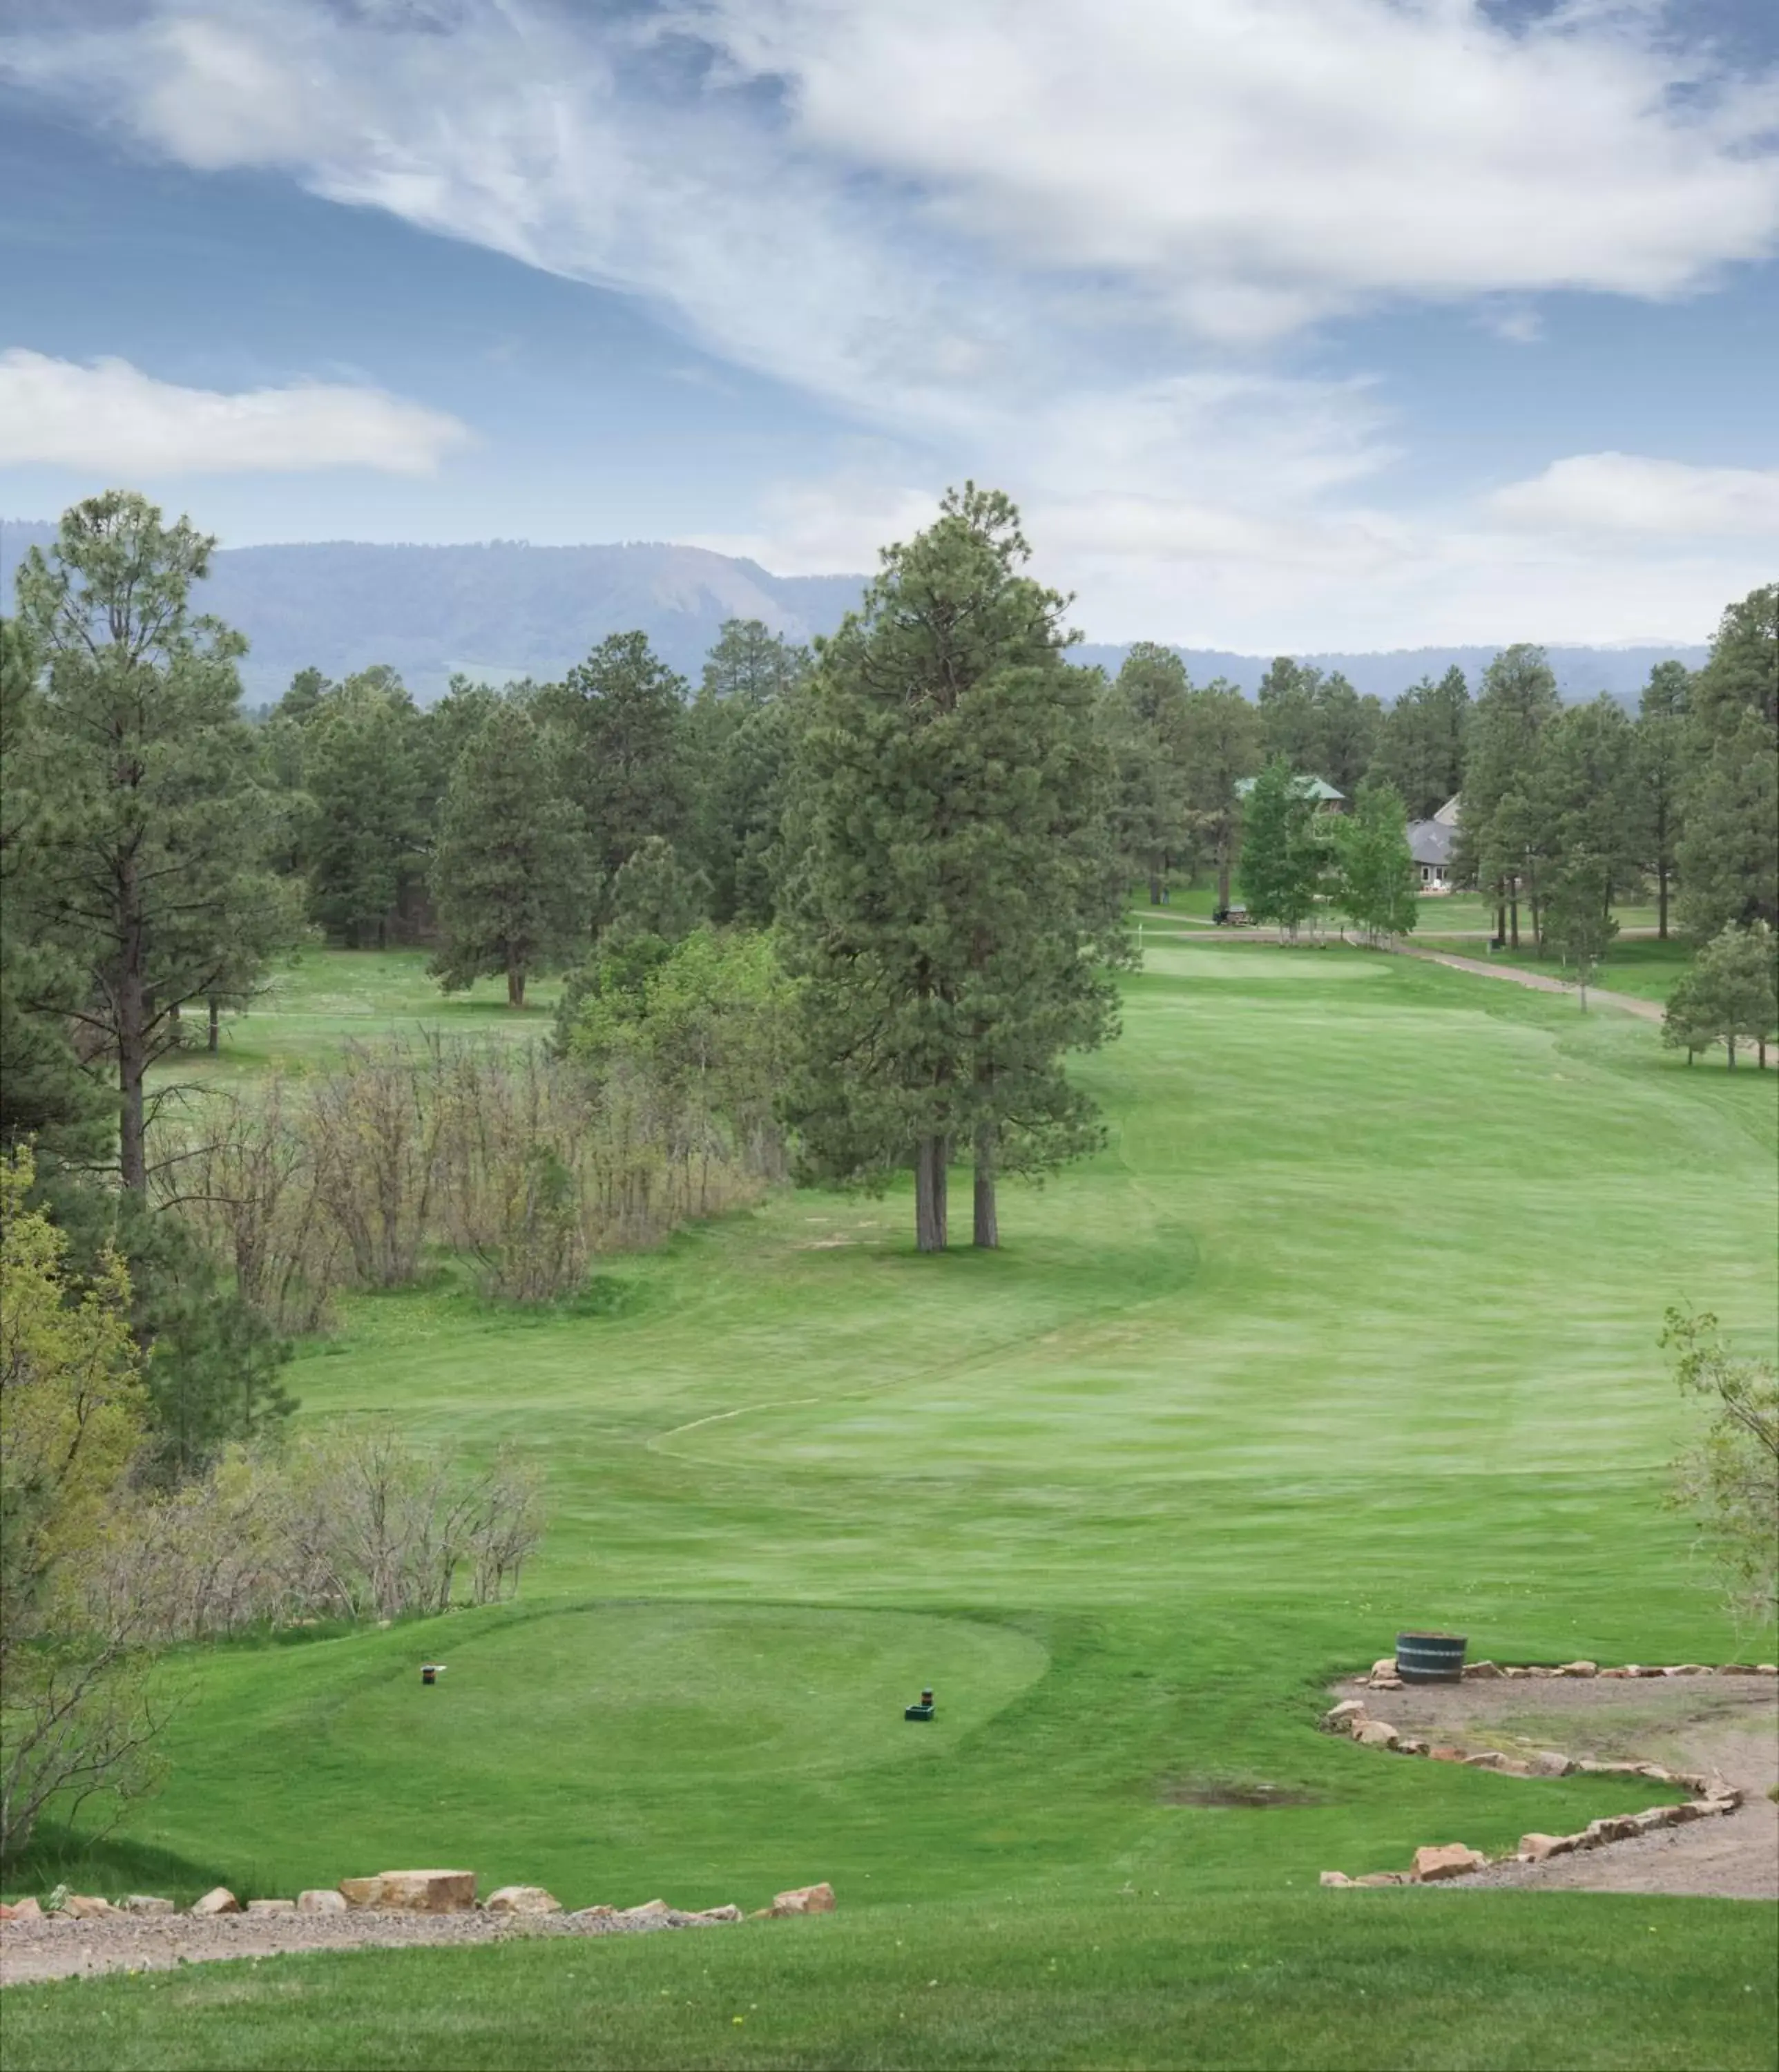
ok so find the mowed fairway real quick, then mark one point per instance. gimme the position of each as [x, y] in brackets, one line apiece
[1353, 1325]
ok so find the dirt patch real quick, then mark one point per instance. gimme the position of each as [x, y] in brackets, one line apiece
[1720, 1727]
[58, 1948]
[1225, 1791]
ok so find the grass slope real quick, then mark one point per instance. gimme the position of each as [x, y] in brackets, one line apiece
[1351, 1326]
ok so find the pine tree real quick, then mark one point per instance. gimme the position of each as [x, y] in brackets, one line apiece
[1143, 718]
[1517, 701]
[147, 869]
[365, 831]
[740, 733]
[957, 900]
[620, 721]
[1730, 995]
[1729, 852]
[1220, 747]
[509, 880]
[1660, 775]
[1420, 743]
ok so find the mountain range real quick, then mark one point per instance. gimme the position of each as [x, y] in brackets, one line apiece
[505, 608]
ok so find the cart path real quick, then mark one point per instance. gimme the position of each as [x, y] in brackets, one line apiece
[1646, 1010]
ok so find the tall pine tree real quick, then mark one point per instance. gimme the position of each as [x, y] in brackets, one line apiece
[957, 901]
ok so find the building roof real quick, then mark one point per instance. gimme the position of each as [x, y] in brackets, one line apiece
[1309, 788]
[1431, 841]
[1448, 814]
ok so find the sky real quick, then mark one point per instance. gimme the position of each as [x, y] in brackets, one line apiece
[1291, 324]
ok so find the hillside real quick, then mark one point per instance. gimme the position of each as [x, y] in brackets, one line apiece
[504, 608]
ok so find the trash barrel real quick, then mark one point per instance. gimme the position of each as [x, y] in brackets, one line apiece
[1430, 1658]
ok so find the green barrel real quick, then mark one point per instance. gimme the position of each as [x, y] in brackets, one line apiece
[1430, 1658]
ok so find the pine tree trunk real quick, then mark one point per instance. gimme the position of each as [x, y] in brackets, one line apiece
[1501, 920]
[176, 1030]
[930, 1161]
[1661, 905]
[213, 1041]
[515, 985]
[133, 1013]
[1513, 916]
[1730, 1040]
[986, 1235]
[1223, 869]
[1155, 888]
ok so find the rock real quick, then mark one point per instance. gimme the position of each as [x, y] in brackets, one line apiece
[804, 1899]
[1485, 1759]
[1381, 1878]
[1766, 1669]
[1536, 1669]
[1589, 1768]
[1383, 1683]
[143, 1902]
[1343, 1718]
[1679, 1815]
[1511, 1671]
[1643, 1669]
[1615, 1827]
[413, 1892]
[1551, 1762]
[1579, 1669]
[1513, 1765]
[651, 1909]
[1335, 1878]
[521, 1899]
[323, 1900]
[1443, 1752]
[22, 1910]
[1725, 1801]
[1687, 1669]
[1737, 1669]
[218, 1899]
[271, 1906]
[594, 1913]
[1646, 1824]
[1375, 1733]
[1615, 1672]
[85, 1906]
[1411, 1748]
[714, 1914]
[1483, 1669]
[1535, 1848]
[1451, 1860]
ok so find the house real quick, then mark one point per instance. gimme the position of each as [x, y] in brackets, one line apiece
[1430, 844]
[1327, 798]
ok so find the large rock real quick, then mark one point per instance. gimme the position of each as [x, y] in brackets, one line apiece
[716, 1914]
[1484, 1669]
[85, 1906]
[1383, 1877]
[1615, 1827]
[271, 1906]
[144, 1902]
[1335, 1878]
[1376, 1733]
[1450, 1859]
[22, 1910]
[1341, 1719]
[1485, 1759]
[1686, 1669]
[804, 1899]
[1552, 1763]
[218, 1899]
[413, 1892]
[1536, 1847]
[321, 1900]
[521, 1899]
[651, 1909]
[1579, 1669]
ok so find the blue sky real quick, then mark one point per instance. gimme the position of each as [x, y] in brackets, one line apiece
[1291, 323]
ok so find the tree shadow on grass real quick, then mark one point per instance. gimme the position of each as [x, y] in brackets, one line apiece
[110, 1864]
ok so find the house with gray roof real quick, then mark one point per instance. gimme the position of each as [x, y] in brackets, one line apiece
[1430, 844]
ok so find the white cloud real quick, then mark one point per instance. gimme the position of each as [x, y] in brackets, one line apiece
[1043, 242]
[112, 416]
[1630, 493]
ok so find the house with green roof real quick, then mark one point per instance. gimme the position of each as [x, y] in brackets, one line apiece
[1327, 798]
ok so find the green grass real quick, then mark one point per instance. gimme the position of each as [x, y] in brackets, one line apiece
[325, 998]
[1492, 1981]
[1353, 1325]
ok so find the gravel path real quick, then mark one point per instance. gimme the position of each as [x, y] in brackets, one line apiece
[1646, 1010]
[58, 1948]
[1724, 1727]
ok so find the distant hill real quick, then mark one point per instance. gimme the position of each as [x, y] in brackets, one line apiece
[506, 609]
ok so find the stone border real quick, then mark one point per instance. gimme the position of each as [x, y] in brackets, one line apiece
[1434, 1863]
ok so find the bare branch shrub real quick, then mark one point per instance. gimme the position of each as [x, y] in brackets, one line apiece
[373, 1125]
